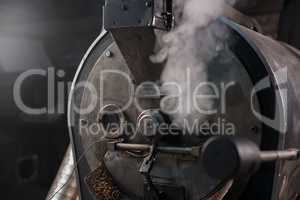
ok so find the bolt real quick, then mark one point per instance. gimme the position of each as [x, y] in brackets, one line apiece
[124, 7]
[108, 54]
[83, 122]
[255, 130]
[148, 4]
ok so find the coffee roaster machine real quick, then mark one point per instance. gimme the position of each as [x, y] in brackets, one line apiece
[261, 161]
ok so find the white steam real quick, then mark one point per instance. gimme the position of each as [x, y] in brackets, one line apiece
[187, 50]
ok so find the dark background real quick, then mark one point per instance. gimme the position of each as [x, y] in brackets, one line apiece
[37, 34]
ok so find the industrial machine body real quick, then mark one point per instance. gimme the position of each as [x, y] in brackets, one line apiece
[126, 162]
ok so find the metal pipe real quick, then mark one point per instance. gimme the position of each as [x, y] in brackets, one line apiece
[64, 185]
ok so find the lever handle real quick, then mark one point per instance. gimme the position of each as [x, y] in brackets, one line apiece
[232, 157]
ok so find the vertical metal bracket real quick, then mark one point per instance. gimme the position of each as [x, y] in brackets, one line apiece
[127, 13]
[138, 13]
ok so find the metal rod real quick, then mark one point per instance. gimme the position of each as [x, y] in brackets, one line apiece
[269, 156]
[164, 149]
[132, 147]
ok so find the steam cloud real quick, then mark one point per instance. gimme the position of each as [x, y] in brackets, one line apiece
[187, 50]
